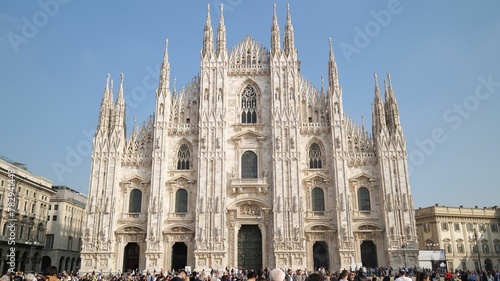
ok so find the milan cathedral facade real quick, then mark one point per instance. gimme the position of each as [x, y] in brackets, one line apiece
[249, 166]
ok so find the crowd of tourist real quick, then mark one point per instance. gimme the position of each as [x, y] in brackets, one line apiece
[321, 274]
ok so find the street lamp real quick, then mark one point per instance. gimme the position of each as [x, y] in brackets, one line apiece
[431, 244]
[476, 237]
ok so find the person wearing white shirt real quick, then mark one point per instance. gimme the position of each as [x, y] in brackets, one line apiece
[402, 276]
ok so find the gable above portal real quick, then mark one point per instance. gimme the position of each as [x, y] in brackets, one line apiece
[248, 56]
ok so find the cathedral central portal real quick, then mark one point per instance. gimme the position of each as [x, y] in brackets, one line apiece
[250, 247]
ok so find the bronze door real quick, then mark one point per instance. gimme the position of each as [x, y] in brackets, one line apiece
[250, 247]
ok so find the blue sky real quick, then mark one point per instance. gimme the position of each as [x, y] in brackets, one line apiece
[443, 56]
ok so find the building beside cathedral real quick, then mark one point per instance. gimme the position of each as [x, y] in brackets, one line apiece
[249, 166]
[469, 237]
[24, 204]
[65, 221]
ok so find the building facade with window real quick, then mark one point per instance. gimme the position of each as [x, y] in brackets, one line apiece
[470, 237]
[249, 166]
[24, 202]
[65, 222]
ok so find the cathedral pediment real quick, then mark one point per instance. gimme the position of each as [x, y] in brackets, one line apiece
[364, 227]
[248, 139]
[249, 135]
[362, 178]
[179, 229]
[131, 229]
[136, 180]
[317, 177]
[320, 228]
[181, 180]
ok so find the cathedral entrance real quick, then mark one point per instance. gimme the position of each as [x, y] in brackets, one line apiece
[179, 256]
[131, 257]
[369, 254]
[321, 255]
[488, 265]
[250, 247]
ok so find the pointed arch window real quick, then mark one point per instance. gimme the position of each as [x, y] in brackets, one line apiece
[249, 165]
[181, 200]
[315, 157]
[183, 157]
[135, 201]
[318, 200]
[364, 199]
[248, 106]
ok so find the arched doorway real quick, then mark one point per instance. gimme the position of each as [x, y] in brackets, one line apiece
[131, 257]
[250, 247]
[46, 262]
[321, 255]
[61, 264]
[488, 265]
[24, 261]
[35, 261]
[66, 265]
[369, 254]
[179, 255]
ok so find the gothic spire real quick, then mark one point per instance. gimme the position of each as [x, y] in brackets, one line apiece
[120, 105]
[378, 109]
[165, 71]
[289, 42]
[105, 105]
[221, 32]
[275, 34]
[391, 105]
[333, 80]
[208, 35]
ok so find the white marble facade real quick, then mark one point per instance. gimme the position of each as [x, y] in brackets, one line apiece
[249, 149]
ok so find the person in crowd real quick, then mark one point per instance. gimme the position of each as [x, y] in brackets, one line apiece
[314, 277]
[276, 275]
[423, 276]
[344, 275]
[402, 276]
[51, 273]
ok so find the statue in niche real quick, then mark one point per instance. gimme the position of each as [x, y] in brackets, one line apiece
[296, 232]
[280, 234]
[217, 234]
[408, 230]
[203, 143]
[87, 235]
[153, 234]
[92, 204]
[202, 234]
[278, 143]
[292, 143]
[265, 173]
[217, 142]
[155, 204]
